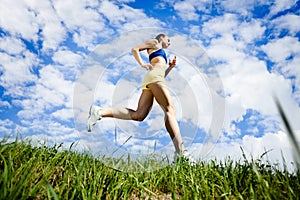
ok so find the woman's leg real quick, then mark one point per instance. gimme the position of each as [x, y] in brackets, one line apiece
[144, 106]
[163, 98]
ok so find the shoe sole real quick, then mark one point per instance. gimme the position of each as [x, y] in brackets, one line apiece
[89, 127]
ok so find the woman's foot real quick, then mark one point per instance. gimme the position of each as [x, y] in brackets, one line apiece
[184, 157]
[94, 116]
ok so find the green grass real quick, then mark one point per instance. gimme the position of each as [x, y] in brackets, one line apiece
[29, 172]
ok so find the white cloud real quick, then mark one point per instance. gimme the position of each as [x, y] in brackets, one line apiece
[52, 79]
[243, 7]
[53, 33]
[251, 31]
[23, 20]
[186, 10]
[191, 10]
[40, 102]
[285, 53]
[125, 18]
[67, 58]
[249, 85]
[78, 14]
[112, 11]
[82, 19]
[52, 30]
[234, 112]
[245, 31]
[281, 5]
[64, 114]
[123, 1]
[226, 48]
[190, 89]
[290, 22]
[29, 18]
[216, 25]
[38, 109]
[17, 72]
[292, 69]
[280, 49]
[4, 105]
[53, 133]
[6, 128]
[247, 82]
[12, 45]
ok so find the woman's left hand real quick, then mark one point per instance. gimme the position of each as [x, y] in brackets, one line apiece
[173, 62]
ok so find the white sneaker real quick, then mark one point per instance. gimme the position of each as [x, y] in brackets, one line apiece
[184, 157]
[94, 116]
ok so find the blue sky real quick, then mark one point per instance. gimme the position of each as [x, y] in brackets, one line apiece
[56, 55]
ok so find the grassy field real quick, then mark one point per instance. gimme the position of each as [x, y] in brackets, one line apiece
[29, 172]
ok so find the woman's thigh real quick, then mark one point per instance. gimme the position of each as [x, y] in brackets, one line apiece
[145, 103]
[162, 95]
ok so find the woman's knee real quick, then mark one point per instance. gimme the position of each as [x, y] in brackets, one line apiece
[138, 116]
[170, 110]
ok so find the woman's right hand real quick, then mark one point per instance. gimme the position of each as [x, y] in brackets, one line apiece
[147, 66]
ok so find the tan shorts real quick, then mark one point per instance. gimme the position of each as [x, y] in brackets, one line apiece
[152, 76]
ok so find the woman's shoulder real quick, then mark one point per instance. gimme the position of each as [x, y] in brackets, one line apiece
[152, 42]
[153, 45]
[149, 44]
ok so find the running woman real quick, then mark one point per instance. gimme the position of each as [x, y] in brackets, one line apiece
[154, 86]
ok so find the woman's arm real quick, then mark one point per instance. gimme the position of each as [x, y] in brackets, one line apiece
[171, 65]
[149, 44]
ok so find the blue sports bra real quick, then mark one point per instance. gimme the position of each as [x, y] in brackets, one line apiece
[159, 52]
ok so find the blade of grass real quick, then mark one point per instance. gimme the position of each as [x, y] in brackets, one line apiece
[289, 131]
[51, 192]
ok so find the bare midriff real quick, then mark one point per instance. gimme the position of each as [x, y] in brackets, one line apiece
[158, 62]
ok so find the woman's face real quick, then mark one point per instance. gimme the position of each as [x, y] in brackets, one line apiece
[165, 42]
